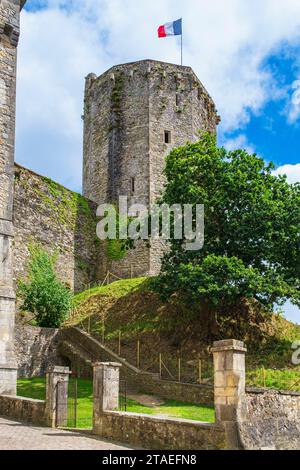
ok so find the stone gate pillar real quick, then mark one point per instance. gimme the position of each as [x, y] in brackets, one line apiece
[105, 389]
[229, 384]
[9, 35]
[57, 382]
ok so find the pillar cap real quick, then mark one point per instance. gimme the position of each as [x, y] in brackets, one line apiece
[59, 370]
[6, 228]
[229, 345]
[107, 364]
[7, 292]
[8, 367]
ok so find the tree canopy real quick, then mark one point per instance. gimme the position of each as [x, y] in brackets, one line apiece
[252, 228]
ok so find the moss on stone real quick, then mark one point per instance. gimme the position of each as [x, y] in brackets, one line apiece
[65, 206]
[116, 98]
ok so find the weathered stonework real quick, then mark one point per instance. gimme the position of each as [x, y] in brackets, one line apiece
[126, 113]
[229, 385]
[36, 350]
[57, 381]
[269, 419]
[62, 222]
[82, 351]
[106, 379]
[141, 430]
[157, 433]
[50, 412]
[9, 34]
[22, 409]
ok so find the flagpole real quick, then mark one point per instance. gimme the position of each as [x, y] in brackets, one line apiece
[181, 50]
[181, 43]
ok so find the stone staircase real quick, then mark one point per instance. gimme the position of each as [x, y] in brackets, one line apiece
[82, 350]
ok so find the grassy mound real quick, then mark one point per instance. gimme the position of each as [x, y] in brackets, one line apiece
[128, 310]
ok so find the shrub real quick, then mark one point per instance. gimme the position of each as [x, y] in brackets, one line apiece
[43, 294]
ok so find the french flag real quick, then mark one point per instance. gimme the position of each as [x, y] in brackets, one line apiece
[170, 29]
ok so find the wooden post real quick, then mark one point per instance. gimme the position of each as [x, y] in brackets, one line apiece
[160, 365]
[179, 369]
[199, 371]
[138, 354]
[264, 376]
[119, 346]
[103, 330]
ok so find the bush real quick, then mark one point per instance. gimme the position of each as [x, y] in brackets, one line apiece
[44, 295]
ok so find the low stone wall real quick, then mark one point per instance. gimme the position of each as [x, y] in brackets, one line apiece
[185, 392]
[269, 419]
[23, 409]
[159, 433]
[36, 350]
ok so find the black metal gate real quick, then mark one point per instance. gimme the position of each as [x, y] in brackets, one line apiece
[78, 414]
[80, 404]
[72, 421]
[123, 395]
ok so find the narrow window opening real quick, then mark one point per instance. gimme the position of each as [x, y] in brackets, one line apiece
[177, 99]
[132, 185]
[8, 30]
[167, 137]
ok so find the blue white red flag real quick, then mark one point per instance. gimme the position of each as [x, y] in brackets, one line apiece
[170, 29]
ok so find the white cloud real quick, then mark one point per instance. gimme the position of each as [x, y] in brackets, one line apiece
[294, 105]
[291, 171]
[291, 312]
[238, 142]
[225, 43]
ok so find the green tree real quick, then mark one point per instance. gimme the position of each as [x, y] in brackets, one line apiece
[252, 227]
[43, 294]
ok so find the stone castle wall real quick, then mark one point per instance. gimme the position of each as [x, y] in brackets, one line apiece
[36, 350]
[60, 221]
[127, 111]
[9, 36]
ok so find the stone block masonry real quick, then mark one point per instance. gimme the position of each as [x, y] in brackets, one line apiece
[36, 350]
[9, 35]
[59, 220]
[50, 412]
[134, 114]
[269, 419]
[141, 430]
[25, 410]
[245, 419]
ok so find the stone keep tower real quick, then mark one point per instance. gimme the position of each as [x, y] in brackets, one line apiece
[9, 35]
[134, 114]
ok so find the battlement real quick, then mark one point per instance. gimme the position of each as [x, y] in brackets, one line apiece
[148, 68]
[9, 20]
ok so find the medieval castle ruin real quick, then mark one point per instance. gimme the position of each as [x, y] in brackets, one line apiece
[134, 114]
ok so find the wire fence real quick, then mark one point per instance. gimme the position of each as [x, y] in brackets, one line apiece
[195, 367]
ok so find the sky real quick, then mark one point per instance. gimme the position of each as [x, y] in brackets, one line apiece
[246, 53]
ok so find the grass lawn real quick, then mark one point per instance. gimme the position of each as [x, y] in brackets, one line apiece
[280, 379]
[36, 388]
